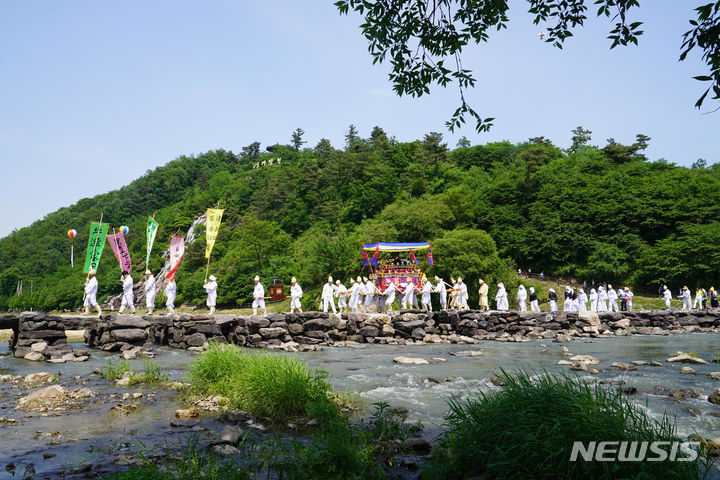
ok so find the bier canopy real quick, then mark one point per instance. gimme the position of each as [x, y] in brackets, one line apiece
[396, 247]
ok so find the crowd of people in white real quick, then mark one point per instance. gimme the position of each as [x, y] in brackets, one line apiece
[363, 295]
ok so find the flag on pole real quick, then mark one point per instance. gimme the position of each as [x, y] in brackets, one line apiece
[212, 225]
[96, 242]
[152, 228]
[365, 259]
[119, 248]
[430, 259]
[177, 250]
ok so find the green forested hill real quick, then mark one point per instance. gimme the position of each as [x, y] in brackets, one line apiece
[604, 214]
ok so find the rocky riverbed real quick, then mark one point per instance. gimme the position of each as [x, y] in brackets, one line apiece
[96, 426]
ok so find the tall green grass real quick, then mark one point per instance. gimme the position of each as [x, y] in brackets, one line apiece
[152, 374]
[527, 429]
[276, 386]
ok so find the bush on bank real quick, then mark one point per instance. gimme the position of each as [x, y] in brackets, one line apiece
[527, 429]
[276, 386]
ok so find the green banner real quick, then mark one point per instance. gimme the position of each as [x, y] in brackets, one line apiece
[152, 228]
[96, 242]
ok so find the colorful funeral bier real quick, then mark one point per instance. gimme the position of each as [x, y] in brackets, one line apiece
[398, 263]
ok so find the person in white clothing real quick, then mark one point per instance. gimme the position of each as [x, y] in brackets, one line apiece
[463, 295]
[593, 300]
[582, 301]
[170, 292]
[211, 289]
[426, 300]
[602, 300]
[361, 293]
[408, 293]
[128, 299]
[534, 304]
[355, 295]
[567, 301]
[552, 300]
[149, 292]
[441, 289]
[612, 299]
[328, 293]
[91, 289]
[258, 297]
[501, 298]
[341, 292]
[667, 296]
[389, 296]
[369, 293]
[522, 298]
[296, 294]
[686, 298]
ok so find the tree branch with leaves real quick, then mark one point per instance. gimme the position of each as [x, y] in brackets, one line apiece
[423, 40]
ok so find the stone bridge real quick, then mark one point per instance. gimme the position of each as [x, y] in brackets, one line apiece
[307, 331]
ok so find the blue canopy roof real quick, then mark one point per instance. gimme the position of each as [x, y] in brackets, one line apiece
[396, 247]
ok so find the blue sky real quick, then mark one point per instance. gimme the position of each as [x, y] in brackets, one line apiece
[93, 94]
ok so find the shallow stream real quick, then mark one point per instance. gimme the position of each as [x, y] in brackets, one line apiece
[99, 435]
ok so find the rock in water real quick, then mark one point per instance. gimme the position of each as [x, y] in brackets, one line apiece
[34, 357]
[45, 397]
[187, 413]
[581, 366]
[410, 361]
[685, 358]
[624, 366]
[687, 370]
[587, 359]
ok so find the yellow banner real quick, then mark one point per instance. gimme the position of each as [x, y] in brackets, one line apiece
[212, 225]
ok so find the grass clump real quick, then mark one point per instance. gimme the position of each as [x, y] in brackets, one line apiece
[527, 430]
[152, 374]
[341, 450]
[114, 371]
[279, 387]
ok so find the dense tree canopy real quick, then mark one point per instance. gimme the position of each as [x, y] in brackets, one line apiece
[600, 213]
[423, 40]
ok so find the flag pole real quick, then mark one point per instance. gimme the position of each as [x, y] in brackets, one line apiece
[207, 269]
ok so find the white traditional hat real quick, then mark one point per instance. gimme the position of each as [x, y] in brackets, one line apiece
[366, 279]
[257, 278]
[437, 279]
[330, 279]
[459, 279]
[148, 272]
[359, 279]
[337, 281]
[212, 278]
[92, 272]
[293, 280]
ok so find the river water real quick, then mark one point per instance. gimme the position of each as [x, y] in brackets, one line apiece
[99, 434]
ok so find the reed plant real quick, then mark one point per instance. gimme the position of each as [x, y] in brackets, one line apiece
[527, 428]
[276, 386]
